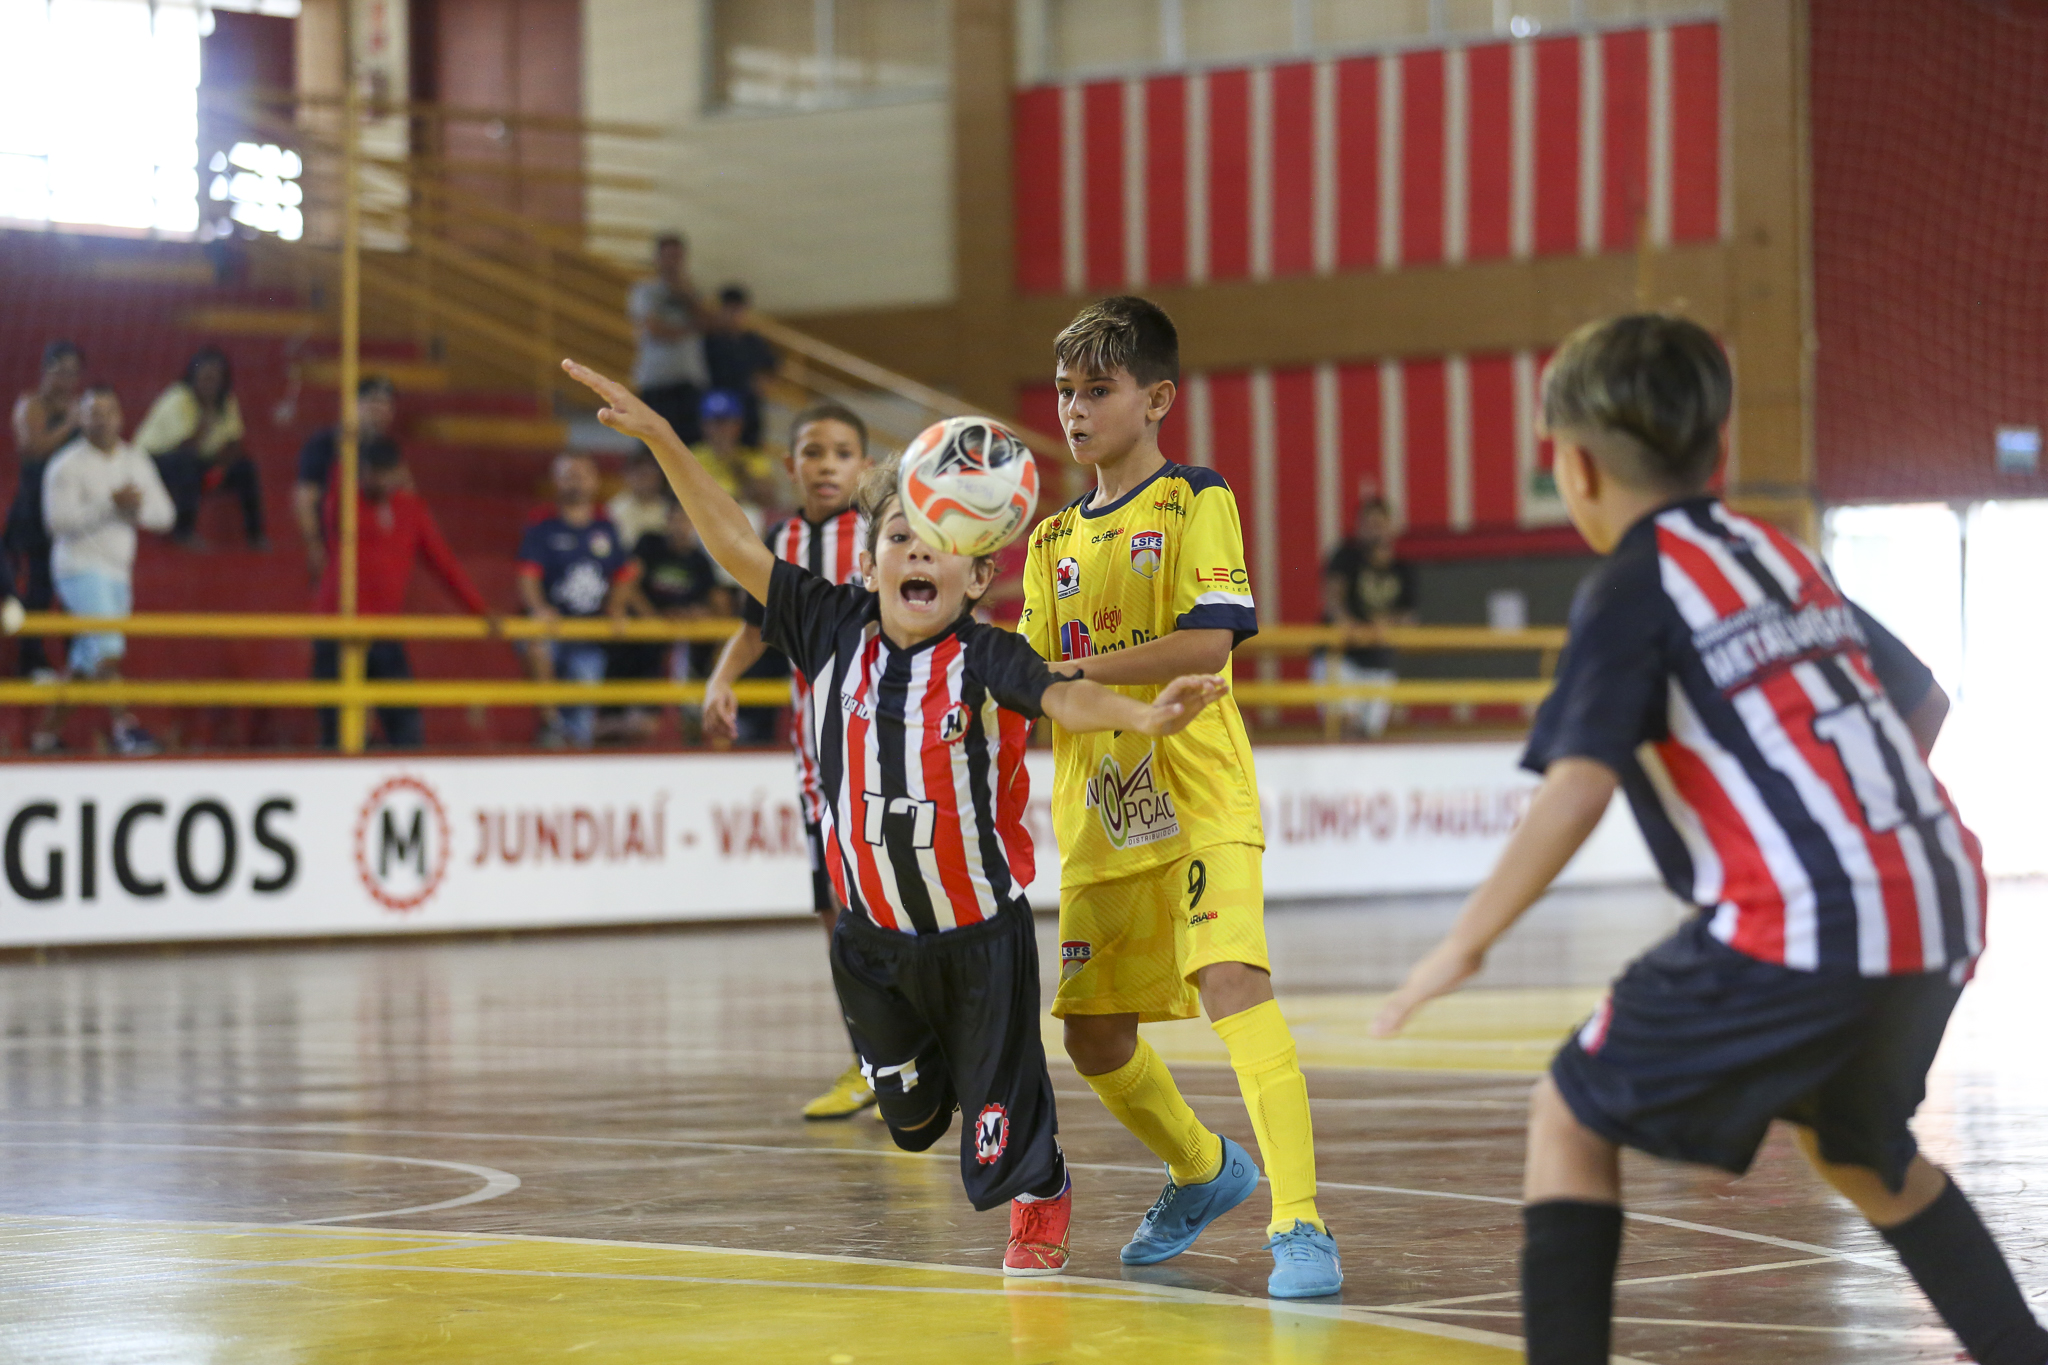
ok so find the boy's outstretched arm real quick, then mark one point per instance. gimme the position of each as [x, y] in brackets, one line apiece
[1083, 705]
[728, 535]
[1156, 661]
[1567, 806]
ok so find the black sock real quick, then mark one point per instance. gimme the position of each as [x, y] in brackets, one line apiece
[1950, 1254]
[1569, 1250]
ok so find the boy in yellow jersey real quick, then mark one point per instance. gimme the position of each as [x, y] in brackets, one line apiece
[1161, 904]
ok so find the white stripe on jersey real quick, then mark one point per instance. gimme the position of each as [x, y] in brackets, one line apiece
[863, 682]
[1926, 897]
[1802, 924]
[1951, 835]
[1709, 878]
[1844, 830]
[1225, 599]
[1693, 602]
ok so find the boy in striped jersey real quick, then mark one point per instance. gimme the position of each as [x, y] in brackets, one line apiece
[1772, 740]
[923, 719]
[828, 454]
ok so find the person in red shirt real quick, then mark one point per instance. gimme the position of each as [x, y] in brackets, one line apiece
[394, 531]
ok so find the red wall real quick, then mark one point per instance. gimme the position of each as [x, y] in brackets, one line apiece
[1930, 221]
[524, 56]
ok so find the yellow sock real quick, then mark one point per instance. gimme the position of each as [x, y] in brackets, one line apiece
[1142, 1095]
[1276, 1094]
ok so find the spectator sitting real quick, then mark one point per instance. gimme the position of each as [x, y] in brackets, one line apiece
[1366, 589]
[376, 412]
[676, 582]
[194, 429]
[97, 490]
[736, 356]
[572, 565]
[45, 420]
[394, 531]
[642, 506]
[744, 471]
[668, 317]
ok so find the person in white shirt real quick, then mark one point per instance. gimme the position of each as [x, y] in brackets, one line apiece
[96, 492]
[194, 432]
[669, 372]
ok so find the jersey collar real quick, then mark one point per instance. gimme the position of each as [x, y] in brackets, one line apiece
[1090, 513]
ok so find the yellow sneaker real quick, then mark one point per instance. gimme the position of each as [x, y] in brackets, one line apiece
[848, 1096]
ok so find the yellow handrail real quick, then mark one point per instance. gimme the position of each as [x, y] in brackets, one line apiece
[435, 692]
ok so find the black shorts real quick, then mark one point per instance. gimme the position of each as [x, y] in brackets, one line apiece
[823, 899]
[951, 1020]
[1698, 1048]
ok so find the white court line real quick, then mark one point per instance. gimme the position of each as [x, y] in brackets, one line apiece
[1888, 1333]
[1868, 1262]
[496, 1182]
[1433, 1304]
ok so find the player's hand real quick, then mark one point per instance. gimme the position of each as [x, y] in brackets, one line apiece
[618, 620]
[494, 625]
[1446, 967]
[622, 412]
[128, 501]
[721, 710]
[1179, 702]
[11, 616]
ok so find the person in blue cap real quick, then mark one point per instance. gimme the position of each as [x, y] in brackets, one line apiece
[745, 472]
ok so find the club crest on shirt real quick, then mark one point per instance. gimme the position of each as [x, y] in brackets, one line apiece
[1074, 955]
[1134, 810]
[953, 725]
[1066, 578]
[1147, 547]
[991, 1134]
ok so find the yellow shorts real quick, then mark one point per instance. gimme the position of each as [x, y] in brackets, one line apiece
[1133, 945]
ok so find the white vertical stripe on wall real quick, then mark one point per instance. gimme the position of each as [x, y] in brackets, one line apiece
[1201, 437]
[1393, 440]
[1329, 464]
[1265, 500]
[1592, 121]
[1259, 201]
[1325, 206]
[1458, 437]
[1073, 189]
[1390, 161]
[1525, 436]
[1660, 136]
[1457, 153]
[1522, 182]
[1136, 167]
[1198, 177]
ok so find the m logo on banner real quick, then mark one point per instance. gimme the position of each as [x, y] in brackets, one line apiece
[402, 844]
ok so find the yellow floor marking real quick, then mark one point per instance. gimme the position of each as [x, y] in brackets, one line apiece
[1515, 1031]
[228, 1293]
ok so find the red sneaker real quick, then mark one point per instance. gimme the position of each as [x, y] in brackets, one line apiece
[1038, 1235]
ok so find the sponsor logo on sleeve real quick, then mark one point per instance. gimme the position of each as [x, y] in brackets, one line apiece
[1134, 810]
[1147, 548]
[1066, 578]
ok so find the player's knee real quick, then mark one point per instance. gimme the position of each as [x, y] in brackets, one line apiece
[920, 1134]
[1098, 1044]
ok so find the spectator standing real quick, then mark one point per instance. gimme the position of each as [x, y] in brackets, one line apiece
[736, 356]
[668, 317]
[376, 413]
[746, 472]
[676, 581]
[45, 420]
[194, 431]
[1366, 589]
[572, 565]
[97, 490]
[641, 507]
[394, 531]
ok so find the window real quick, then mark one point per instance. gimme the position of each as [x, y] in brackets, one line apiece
[815, 54]
[1060, 38]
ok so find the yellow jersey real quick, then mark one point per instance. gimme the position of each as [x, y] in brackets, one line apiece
[1167, 556]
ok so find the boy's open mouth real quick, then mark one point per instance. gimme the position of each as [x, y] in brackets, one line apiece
[921, 592]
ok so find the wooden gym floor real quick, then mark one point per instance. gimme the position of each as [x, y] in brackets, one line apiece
[588, 1147]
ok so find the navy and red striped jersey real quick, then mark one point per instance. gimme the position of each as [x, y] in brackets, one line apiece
[830, 549]
[1755, 717]
[920, 753]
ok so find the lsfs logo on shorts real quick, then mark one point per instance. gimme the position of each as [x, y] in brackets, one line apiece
[1146, 549]
[991, 1134]
[1074, 955]
[1135, 810]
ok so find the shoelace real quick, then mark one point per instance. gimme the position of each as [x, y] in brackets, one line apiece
[1294, 1243]
[1037, 1221]
[1162, 1203]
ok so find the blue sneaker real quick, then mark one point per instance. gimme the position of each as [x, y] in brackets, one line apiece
[1180, 1213]
[1305, 1263]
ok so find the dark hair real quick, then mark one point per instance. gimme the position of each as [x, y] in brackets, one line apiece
[828, 412]
[670, 238]
[375, 383]
[1121, 333]
[210, 355]
[62, 350]
[735, 295]
[1646, 395]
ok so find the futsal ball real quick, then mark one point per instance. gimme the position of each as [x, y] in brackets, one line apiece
[968, 486]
